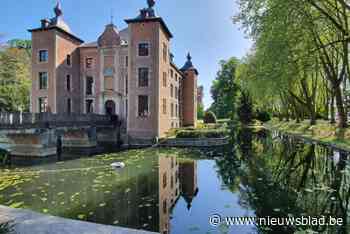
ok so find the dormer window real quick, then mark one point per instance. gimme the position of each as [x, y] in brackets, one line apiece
[43, 56]
[89, 62]
[144, 49]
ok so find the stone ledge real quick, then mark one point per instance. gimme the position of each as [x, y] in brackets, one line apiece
[28, 222]
[194, 142]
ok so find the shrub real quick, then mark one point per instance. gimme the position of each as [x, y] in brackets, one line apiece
[245, 108]
[211, 133]
[209, 118]
[263, 116]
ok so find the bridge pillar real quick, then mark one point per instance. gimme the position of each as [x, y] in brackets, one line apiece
[79, 138]
[32, 143]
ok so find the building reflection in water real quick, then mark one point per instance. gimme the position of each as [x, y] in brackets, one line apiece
[177, 178]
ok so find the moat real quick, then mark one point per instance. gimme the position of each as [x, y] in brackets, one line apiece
[176, 190]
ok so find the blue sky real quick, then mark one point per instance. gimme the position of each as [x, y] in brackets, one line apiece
[203, 27]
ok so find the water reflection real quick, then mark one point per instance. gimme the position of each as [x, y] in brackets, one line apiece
[260, 174]
[286, 177]
[140, 196]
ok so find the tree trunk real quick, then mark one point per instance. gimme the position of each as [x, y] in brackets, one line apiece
[343, 119]
[332, 110]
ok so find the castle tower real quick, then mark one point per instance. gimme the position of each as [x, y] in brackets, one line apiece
[189, 93]
[111, 95]
[55, 67]
[148, 115]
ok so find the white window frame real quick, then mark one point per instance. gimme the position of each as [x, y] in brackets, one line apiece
[39, 80]
[38, 56]
[138, 77]
[41, 97]
[137, 106]
[149, 49]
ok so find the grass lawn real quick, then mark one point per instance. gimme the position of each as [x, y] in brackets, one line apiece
[323, 131]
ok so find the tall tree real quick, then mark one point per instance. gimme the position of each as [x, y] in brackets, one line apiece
[15, 79]
[224, 89]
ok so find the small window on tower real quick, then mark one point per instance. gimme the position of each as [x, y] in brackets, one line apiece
[68, 83]
[69, 60]
[165, 52]
[143, 76]
[143, 106]
[144, 49]
[43, 56]
[164, 106]
[164, 79]
[43, 80]
[172, 109]
[69, 105]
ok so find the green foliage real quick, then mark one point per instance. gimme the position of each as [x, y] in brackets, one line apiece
[209, 118]
[262, 116]
[208, 133]
[224, 89]
[300, 58]
[245, 108]
[15, 82]
[200, 111]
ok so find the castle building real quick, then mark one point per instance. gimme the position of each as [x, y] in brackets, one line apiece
[129, 73]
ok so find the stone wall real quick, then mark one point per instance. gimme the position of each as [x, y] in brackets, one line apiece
[202, 142]
[22, 120]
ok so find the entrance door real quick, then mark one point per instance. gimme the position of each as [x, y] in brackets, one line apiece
[110, 107]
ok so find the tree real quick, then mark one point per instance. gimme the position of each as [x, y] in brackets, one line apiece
[209, 117]
[224, 89]
[245, 108]
[300, 61]
[200, 111]
[15, 82]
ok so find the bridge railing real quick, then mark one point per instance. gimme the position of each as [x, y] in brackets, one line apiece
[14, 120]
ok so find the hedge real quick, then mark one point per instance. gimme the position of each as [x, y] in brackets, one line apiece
[211, 133]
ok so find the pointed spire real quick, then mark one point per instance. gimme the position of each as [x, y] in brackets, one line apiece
[189, 65]
[151, 3]
[112, 16]
[58, 9]
[189, 57]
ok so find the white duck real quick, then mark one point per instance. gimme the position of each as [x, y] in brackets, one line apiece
[118, 165]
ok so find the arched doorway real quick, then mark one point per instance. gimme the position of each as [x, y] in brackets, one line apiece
[110, 107]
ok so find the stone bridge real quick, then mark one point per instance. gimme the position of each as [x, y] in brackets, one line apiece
[29, 135]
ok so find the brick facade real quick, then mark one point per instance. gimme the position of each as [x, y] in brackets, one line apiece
[129, 73]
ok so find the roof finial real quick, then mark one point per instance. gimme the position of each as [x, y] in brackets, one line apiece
[58, 9]
[112, 16]
[189, 57]
[151, 3]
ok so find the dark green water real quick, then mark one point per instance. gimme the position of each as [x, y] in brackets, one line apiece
[177, 190]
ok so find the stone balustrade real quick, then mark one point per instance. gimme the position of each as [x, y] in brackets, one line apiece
[35, 120]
